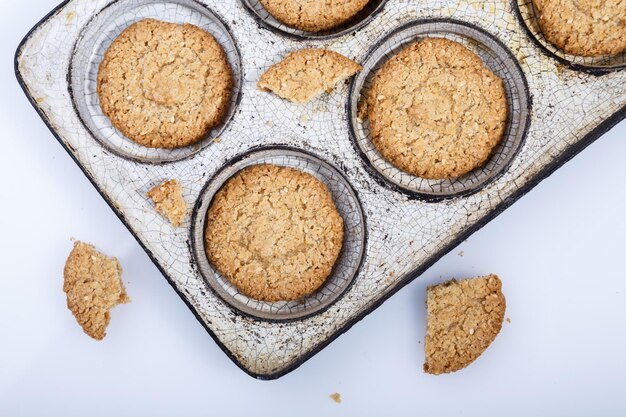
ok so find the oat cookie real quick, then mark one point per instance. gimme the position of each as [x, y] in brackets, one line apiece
[93, 285]
[314, 15]
[307, 73]
[584, 27]
[274, 232]
[168, 200]
[435, 110]
[463, 319]
[164, 85]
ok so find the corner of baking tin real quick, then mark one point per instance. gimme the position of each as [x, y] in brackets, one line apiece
[26, 38]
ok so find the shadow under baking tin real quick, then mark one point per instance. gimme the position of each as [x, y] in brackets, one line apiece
[528, 16]
[346, 267]
[358, 21]
[96, 38]
[495, 56]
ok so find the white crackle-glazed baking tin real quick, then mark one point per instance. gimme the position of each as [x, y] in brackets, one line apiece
[400, 225]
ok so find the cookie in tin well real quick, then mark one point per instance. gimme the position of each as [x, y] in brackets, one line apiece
[165, 85]
[314, 15]
[274, 232]
[435, 110]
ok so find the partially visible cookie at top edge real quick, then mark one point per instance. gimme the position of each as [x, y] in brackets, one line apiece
[435, 110]
[93, 286]
[463, 319]
[165, 85]
[584, 28]
[314, 15]
[274, 232]
[169, 202]
[305, 74]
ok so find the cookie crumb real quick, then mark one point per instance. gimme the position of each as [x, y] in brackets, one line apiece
[508, 320]
[336, 397]
[461, 253]
[306, 74]
[169, 202]
[463, 319]
[93, 285]
[361, 108]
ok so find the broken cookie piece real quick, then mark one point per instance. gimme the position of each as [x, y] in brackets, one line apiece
[93, 285]
[169, 202]
[307, 73]
[463, 319]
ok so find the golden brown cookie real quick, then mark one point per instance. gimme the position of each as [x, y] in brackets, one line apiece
[463, 319]
[584, 27]
[314, 15]
[307, 73]
[435, 110]
[93, 285]
[274, 232]
[164, 85]
[168, 200]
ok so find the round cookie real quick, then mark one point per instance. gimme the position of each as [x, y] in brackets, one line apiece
[274, 232]
[435, 110]
[164, 85]
[584, 27]
[313, 15]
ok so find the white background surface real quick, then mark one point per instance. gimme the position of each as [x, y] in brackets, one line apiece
[559, 252]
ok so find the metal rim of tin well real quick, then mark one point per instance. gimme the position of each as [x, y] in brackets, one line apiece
[266, 20]
[88, 53]
[346, 267]
[527, 15]
[496, 56]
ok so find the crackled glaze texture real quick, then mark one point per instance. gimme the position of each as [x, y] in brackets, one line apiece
[403, 234]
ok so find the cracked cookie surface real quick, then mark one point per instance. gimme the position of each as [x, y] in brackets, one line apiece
[435, 110]
[164, 85]
[314, 15]
[584, 27]
[307, 73]
[93, 285]
[463, 319]
[274, 232]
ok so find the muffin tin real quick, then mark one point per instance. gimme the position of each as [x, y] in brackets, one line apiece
[396, 225]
